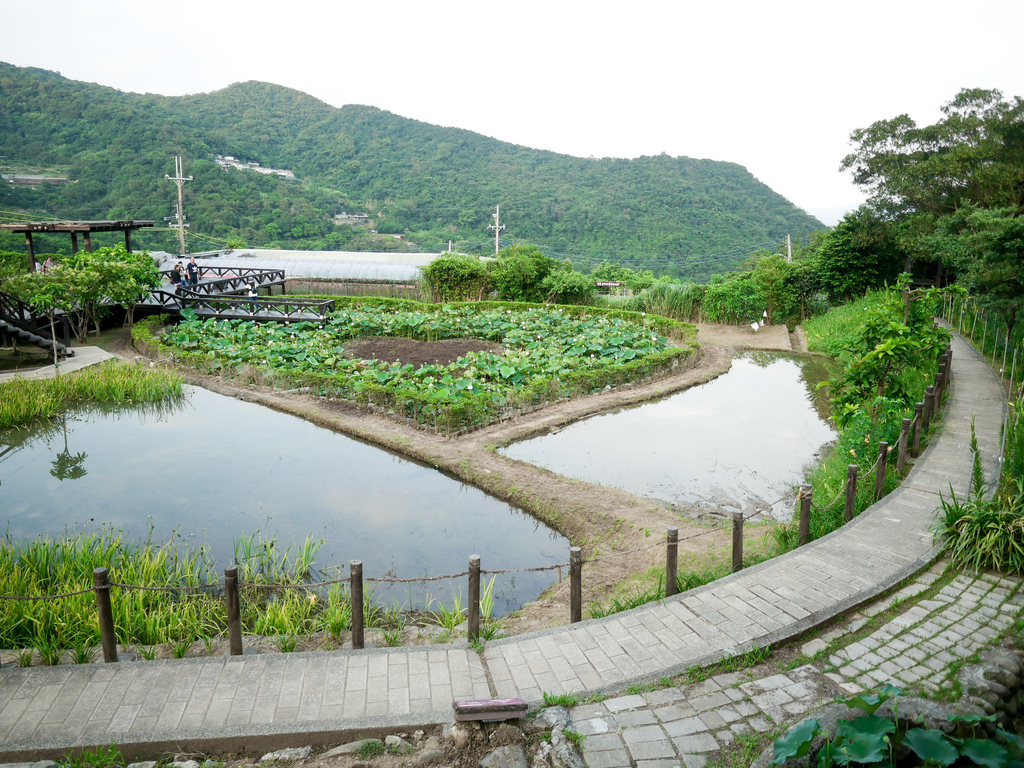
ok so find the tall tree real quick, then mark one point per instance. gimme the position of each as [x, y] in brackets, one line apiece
[986, 248]
[860, 253]
[974, 155]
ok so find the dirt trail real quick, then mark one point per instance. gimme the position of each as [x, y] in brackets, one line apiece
[601, 520]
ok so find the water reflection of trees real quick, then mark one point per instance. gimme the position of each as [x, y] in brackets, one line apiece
[67, 465]
[814, 372]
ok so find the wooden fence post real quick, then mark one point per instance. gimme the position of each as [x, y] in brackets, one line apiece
[575, 585]
[929, 407]
[672, 562]
[101, 585]
[473, 609]
[234, 611]
[915, 449]
[940, 379]
[883, 452]
[737, 541]
[355, 596]
[806, 496]
[851, 491]
[901, 453]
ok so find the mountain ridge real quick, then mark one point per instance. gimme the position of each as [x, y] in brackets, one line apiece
[427, 183]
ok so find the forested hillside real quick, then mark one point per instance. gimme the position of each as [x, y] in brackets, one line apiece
[430, 184]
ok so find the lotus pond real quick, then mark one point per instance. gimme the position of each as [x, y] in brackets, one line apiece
[549, 353]
[218, 470]
[735, 443]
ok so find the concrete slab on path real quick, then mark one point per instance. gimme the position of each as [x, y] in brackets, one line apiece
[83, 358]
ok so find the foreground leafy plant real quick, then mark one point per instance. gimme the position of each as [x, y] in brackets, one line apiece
[874, 740]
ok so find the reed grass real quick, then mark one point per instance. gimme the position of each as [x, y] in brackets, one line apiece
[679, 302]
[986, 531]
[44, 567]
[188, 608]
[449, 618]
[23, 401]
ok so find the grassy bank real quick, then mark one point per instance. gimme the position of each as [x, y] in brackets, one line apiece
[168, 599]
[23, 401]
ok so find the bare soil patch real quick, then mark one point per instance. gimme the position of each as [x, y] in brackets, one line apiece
[417, 353]
[774, 337]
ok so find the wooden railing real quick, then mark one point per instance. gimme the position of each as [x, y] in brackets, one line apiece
[234, 281]
[280, 309]
[21, 315]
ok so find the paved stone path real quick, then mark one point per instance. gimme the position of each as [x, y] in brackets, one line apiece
[315, 698]
[683, 725]
[83, 357]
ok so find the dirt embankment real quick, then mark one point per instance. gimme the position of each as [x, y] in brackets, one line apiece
[602, 521]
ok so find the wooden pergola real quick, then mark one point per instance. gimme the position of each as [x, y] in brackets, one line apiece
[74, 228]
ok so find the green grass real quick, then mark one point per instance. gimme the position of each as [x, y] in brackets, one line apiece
[834, 332]
[371, 748]
[101, 757]
[113, 383]
[566, 700]
[575, 738]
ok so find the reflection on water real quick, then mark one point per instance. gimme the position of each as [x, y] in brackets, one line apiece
[735, 443]
[216, 468]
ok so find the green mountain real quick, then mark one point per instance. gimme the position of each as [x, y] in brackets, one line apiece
[433, 184]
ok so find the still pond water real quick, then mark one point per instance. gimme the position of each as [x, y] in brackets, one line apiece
[733, 444]
[217, 468]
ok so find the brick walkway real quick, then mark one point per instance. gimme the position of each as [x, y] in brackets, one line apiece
[683, 725]
[295, 699]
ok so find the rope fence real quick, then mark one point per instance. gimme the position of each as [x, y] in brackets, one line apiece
[908, 445]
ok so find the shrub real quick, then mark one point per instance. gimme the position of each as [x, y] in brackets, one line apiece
[456, 277]
[734, 301]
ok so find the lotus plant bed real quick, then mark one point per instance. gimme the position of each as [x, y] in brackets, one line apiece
[526, 356]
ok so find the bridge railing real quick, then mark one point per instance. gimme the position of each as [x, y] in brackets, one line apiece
[263, 308]
[228, 280]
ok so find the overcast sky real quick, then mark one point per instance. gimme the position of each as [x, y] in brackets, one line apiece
[776, 87]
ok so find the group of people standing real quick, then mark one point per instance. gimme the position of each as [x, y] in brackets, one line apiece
[184, 276]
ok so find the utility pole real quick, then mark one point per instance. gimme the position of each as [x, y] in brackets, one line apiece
[497, 226]
[789, 248]
[180, 180]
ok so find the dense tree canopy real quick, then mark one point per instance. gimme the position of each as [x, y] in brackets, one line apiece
[951, 192]
[858, 254]
[973, 156]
